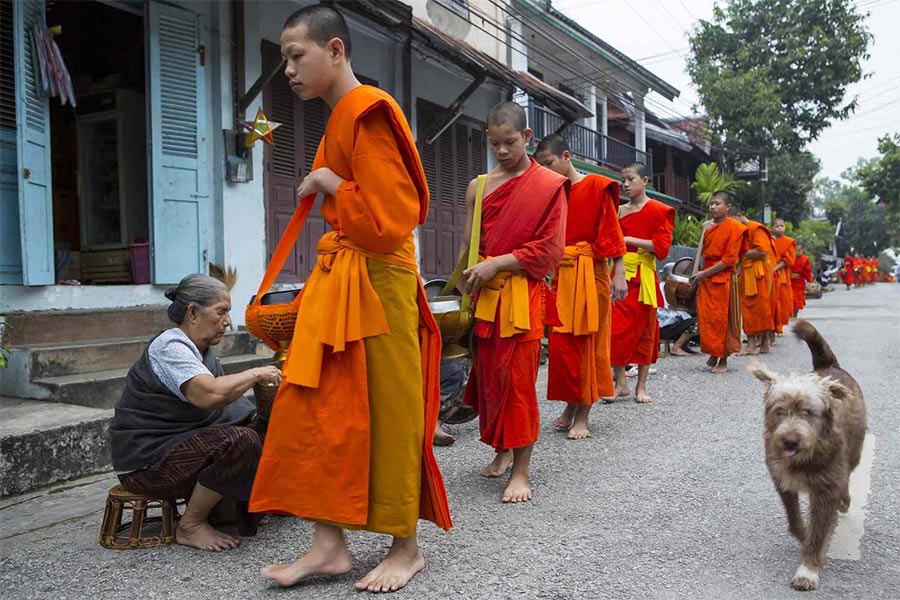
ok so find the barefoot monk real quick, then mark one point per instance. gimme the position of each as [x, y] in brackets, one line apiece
[756, 283]
[786, 252]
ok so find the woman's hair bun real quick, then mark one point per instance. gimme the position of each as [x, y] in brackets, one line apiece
[172, 293]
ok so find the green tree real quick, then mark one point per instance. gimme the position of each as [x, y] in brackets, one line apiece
[789, 188]
[772, 74]
[709, 179]
[864, 227]
[880, 178]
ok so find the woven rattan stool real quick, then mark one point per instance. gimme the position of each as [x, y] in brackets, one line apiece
[113, 534]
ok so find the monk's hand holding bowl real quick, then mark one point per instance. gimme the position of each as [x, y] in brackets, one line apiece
[697, 278]
[480, 274]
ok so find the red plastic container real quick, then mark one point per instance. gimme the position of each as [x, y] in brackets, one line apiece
[140, 262]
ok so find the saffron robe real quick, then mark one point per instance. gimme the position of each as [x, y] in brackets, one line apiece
[718, 298]
[756, 282]
[635, 330]
[786, 249]
[847, 274]
[580, 368]
[349, 439]
[801, 272]
[525, 216]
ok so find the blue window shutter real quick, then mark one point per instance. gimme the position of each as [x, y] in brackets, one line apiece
[34, 177]
[178, 171]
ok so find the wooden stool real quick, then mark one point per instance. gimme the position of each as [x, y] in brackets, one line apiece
[113, 534]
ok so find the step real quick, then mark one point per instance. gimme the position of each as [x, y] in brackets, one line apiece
[102, 389]
[43, 443]
[89, 356]
[54, 326]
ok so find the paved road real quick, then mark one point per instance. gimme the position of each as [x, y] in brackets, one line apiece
[670, 500]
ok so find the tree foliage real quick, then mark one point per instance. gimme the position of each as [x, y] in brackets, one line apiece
[709, 179]
[687, 231]
[772, 74]
[880, 178]
[864, 227]
[791, 181]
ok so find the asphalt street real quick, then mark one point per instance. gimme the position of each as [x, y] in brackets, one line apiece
[668, 500]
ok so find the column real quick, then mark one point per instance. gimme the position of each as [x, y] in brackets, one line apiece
[603, 103]
[518, 55]
[640, 126]
[591, 122]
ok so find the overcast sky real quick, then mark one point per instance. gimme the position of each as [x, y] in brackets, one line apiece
[655, 33]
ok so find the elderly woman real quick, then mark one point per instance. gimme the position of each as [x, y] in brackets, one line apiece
[182, 425]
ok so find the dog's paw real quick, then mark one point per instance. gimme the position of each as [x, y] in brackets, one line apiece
[805, 579]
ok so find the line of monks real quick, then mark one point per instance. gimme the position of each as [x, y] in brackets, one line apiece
[859, 270]
[349, 441]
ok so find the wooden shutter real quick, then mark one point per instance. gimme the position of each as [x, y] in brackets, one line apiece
[179, 198]
[10, 240]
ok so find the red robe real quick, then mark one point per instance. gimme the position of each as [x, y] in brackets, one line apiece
[718, 296]
[526, 217]
[801, 272]
[786, 248]
[635, 330]
[847, 275]
[579, 370]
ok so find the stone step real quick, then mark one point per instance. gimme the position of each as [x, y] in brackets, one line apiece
[43, 443]
[54, 326]
[90, 356]
[101, 389]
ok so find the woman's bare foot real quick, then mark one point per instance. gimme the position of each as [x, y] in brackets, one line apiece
[517, 489]
[499, 465]
[202, 535]
[642, 397]
[322, 559]
[565, 420]
[400, 565]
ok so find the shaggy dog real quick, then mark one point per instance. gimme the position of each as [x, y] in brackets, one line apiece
[814, 430]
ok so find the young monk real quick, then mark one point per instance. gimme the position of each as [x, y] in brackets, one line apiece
[786, 250]
[756, 282]
[522, 238]
[580, 371]
[718, 295]
[349, 440]
[647, 227]
[847, 271]
[801, 273]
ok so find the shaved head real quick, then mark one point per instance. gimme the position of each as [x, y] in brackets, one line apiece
[323, 24]
[508, 113]
[638, 167]
[554, 143]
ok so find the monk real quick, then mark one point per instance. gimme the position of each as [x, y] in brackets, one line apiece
[801, 273]
[847, 272]
[647, 227]
[349, 440]
[718, 293]
[756, 282]
[580, 371]
[786, 251]
[522, 238]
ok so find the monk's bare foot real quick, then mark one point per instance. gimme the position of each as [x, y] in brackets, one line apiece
[712, 361]
[642, 397]
[720, 368]
[564, 421]
[748, 352]
[499, 465]
[325, 559]
[517, 490]
[442, 438]
[678, 352]
[579, 431]
[202, 535]
[394, 572]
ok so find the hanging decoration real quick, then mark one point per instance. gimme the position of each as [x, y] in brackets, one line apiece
[260, 128]
[50, 68]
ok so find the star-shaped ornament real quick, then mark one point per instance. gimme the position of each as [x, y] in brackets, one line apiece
[260, 128]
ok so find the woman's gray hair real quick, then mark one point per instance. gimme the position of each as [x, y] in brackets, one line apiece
[196, 288]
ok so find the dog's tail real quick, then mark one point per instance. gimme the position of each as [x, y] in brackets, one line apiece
[822, 356]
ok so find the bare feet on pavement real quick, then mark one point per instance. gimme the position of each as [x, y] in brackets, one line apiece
[678, 352]
[712, 361]
[564, 421]
[394, 572]
[642, 397]
[202, 535]
[579, 431]
[499, 465]
[327, 560]
[517, 490]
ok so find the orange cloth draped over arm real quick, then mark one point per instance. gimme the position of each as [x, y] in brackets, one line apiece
[721, 243]
[525, 216]
[756, 281]
[635, 330]
[349, 439]
[786, 249]
[579, 369]
[801, 273]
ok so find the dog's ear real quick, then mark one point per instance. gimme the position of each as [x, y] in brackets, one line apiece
[837, 392]
[762, 372]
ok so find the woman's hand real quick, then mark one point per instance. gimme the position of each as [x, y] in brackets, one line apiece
[268, 375]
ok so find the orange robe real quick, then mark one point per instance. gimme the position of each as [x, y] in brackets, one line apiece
[635, 330]
[525, 216]
[786, 249]
[579, 370]
[756, 282]
[801, 272]
[349, 439]
[718, 296]
[847, 271]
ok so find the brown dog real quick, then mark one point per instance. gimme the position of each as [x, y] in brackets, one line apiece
[814, 430]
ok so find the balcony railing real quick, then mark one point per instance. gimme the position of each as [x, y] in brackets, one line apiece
[584, 142]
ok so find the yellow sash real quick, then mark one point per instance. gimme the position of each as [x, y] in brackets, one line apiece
[647, 262]
[511, 291]
[339, 305]
[576, 291]
[753, 269]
